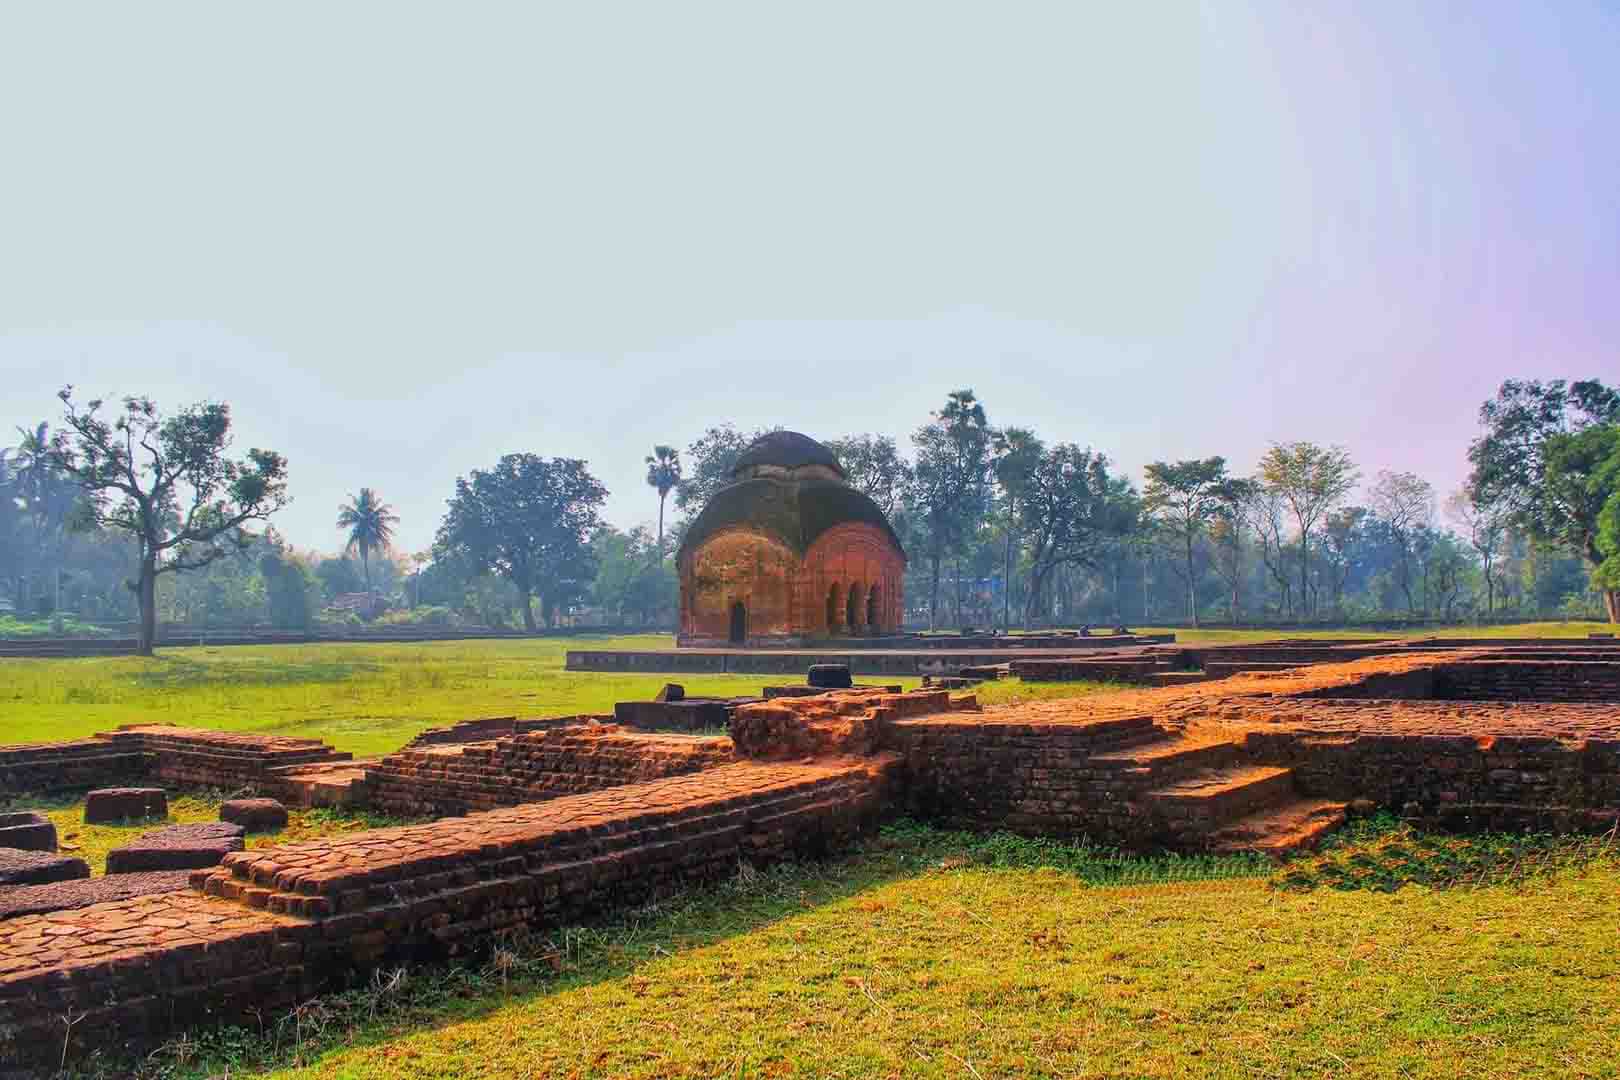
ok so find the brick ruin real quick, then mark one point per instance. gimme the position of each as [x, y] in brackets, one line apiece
[564, 819]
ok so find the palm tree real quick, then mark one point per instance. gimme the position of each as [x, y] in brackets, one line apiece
[663, 473]
[370, 522]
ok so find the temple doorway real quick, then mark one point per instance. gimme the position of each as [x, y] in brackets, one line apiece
[739, 623]
[872, 608]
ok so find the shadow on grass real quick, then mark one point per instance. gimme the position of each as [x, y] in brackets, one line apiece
[167, 671]
[519, 970]
[524, 970]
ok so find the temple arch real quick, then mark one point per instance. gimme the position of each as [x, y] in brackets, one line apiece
[854, 609]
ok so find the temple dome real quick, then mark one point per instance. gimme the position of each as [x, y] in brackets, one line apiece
[786, 450]
[789, 486]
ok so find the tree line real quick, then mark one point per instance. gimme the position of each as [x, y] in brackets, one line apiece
[129, 512]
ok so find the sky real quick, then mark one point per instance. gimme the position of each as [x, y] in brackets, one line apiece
[401, 240]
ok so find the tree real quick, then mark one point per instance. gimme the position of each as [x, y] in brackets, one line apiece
[169, 484]
[1071, 509]
[530, 521]
[1226, 530]
[1183, 497]
[1343, 539]
[1486, 523]
[1542, 452]
[370, 522]
[46, 497]
[1017, 456]
[950, 481]
[663, 474]
[290, 587]
[1404, 503]
[1310, 480]
[711, 458]
[874, 467]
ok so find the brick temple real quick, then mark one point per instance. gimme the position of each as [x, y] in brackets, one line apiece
[789, 552]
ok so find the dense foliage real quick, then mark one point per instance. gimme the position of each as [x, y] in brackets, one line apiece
[1002, 528]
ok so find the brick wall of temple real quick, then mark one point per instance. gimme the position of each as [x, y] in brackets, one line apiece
[534, 765]
[1528, 680]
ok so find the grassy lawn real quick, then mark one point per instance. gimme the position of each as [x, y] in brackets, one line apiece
[372, 698]
[365, 698]
[934, 954]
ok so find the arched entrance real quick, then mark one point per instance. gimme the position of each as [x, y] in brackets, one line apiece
[739, 623]
[854, 609]
[872, 616]
[835, 612]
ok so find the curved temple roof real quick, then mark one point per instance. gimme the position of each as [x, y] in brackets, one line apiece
[787, 449]
[795, 511]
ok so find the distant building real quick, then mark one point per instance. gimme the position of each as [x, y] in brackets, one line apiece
[788, 551]
[366, 605]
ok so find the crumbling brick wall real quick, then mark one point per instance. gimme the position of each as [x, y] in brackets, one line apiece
[535, 765]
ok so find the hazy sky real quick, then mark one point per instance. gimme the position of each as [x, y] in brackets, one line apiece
[402, 240]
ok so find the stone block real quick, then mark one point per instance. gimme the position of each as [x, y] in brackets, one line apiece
[124, 804]
[27, 831]
[671, 692]
[178, 847]
[39, 867]
[830, 676]
[254, 814]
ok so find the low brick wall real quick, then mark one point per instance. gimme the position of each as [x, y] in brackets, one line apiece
[1036, 779]
[543, 764]
[1493, 766]
[278, 924]
[1529, 680]
[69, 766]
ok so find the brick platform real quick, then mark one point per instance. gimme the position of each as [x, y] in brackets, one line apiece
[177, 847]
[38, 867]
[27, 831]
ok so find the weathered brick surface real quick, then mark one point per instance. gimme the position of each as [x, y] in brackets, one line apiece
[68, 766]
[177, 847]
[1137, 670]
[125, 804]
[38, 867]
[27, 831]
[253, 814]
[542, 764]
[838, 722]
[82, 892]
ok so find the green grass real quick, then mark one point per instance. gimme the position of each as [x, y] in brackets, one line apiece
[364, 698]
[938, 954]
[92, 842]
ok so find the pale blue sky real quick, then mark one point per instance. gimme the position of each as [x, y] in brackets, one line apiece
[404, 239]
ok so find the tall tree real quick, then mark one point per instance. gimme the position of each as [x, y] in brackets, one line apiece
[1486, 523]
[1017, 456]
[370, 522]
[530, 521]
[663, 475]
[1071, 509]
[1404, 503]
[1310, 480]
[950, 481]
[169, 484]
[1542, 452]
[1226, 528]
[46, 497]
[1342, 541]
[874, 467]
[710, 459]
[1183, 497]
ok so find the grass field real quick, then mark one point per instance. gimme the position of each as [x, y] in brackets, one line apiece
[933, 954]
[371, 698]
[365, 698]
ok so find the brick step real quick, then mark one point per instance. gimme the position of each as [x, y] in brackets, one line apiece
[1213, 798]
[1170, 758]
[1298, 825]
